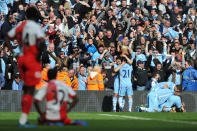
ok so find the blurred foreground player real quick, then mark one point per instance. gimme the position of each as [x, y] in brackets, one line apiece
[58, 97]
[31, 38]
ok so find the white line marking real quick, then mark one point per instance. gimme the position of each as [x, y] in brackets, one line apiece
[152, 119]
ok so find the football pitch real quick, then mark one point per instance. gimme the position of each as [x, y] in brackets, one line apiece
[121, 121]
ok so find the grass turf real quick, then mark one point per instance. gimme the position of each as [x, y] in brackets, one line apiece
[111, 121]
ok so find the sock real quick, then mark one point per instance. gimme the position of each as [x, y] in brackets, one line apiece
[147, 109]
[130, 101]
[26, 107]
[114, 103]
[167, 109]
[123, 101]
[120, 102]
[23, 118]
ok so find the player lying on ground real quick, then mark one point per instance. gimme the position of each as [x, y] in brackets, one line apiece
[58, 97]
[162, 97]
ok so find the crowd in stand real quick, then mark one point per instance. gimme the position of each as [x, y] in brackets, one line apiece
[88, 36]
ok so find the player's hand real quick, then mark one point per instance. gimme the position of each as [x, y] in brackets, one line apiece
[123, 55]
[84, 80]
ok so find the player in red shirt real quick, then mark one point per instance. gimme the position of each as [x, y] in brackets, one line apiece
[31, 39]
[58, 96]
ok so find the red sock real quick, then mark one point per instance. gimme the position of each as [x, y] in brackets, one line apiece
[26, 103]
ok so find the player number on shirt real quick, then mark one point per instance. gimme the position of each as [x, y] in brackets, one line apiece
[56, 98]
[126, 73]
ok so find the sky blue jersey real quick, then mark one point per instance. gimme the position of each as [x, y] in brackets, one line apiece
[125, 75]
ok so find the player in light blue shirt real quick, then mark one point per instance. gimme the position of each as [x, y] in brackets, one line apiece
[173, 100]
[152, 95]
[164, 97]
[125, 71]
[116, 83]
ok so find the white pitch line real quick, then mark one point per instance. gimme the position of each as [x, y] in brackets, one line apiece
[143, 118]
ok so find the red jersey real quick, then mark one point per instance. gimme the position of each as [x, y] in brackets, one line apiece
[57, 96]
[27, 34]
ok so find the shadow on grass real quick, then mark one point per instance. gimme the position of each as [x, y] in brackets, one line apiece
[105, 125]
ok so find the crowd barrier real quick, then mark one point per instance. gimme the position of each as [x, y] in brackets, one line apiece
[91, 101]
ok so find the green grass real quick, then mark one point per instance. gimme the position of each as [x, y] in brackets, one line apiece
[117, 121]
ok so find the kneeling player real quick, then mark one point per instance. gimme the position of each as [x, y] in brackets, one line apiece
[58, 96]
[173, 100]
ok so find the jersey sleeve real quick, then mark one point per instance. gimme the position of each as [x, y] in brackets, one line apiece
[12, 32]
[40, 34]
[131, 67]
[41, 93]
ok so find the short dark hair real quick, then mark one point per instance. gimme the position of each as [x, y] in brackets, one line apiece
[123, 59]
[32, 13]
[52, 73]
[155, 74]
[179, 87]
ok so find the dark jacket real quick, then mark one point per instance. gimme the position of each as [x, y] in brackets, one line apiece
[142, 76]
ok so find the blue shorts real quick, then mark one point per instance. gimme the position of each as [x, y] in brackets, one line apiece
[152, 100]
[116, 89]
[126, 90]
[116, 86]
[173, 100]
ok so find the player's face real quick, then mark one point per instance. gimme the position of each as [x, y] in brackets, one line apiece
[1, 53]
[118, 61]
[157, 77]
[176, 89]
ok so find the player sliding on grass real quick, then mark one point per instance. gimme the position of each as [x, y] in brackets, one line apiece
[58, 98]
[31, 38]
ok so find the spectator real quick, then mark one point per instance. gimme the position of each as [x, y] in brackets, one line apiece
[2, 81]
[95, 79]
[17, 83]
[7, 25]
[82, 77]
[141, 76]
[94, 32]
[189, 77]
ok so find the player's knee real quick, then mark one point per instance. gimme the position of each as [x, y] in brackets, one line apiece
[115, 95]
[130, 96]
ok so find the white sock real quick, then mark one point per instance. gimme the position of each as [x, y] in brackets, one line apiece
[130, 101]
[123, 101]
[114, 102]
[147, 109]
[120, 102]
[23, 118]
